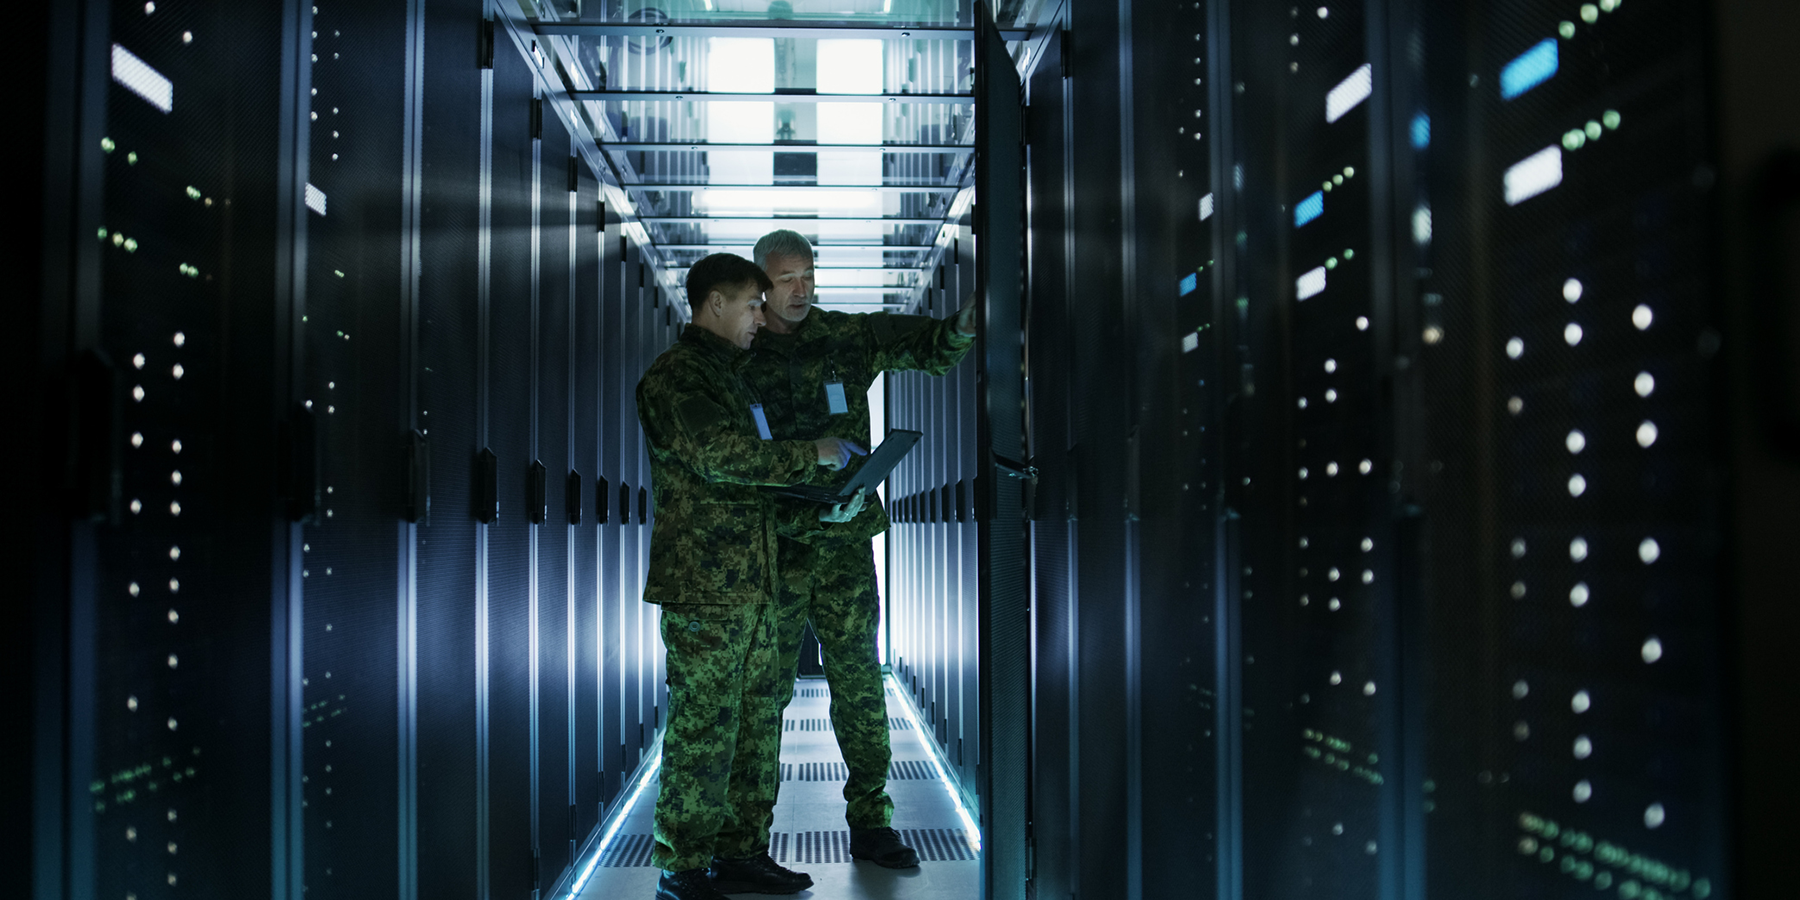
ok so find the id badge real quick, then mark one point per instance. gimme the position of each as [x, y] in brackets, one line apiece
[834, 397]
[762, 421]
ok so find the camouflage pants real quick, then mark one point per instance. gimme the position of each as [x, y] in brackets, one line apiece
[723, 743]
[834, 588]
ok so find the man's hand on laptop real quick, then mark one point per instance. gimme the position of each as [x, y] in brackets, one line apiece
[835, 453]
[844, 512]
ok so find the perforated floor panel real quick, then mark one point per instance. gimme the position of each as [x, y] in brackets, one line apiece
[810, 834]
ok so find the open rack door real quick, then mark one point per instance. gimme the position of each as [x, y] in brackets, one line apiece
[1004, 664]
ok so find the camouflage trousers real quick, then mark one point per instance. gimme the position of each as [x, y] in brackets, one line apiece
[834, 588]
[723, 743]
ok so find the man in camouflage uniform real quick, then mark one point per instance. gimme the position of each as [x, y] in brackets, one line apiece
[712, 568]
[812, 370]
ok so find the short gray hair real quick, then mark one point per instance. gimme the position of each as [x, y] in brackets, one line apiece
[782, 243]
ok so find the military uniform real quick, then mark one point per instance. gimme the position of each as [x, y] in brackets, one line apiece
[827, 573]
[712, 568]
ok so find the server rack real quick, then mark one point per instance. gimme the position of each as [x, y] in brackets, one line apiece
[338, 311]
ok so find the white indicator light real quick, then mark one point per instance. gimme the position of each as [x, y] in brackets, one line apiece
[1654, 815]
[1581, 702]
[1578, 595]
[1577, 485]
[1533, 175]
[1583, 791]
[1584, 748]
[1576, 441]
[1310, 284]
[1642, 317]
[1206, 207]
[1515, 348]
[1646, 434]
[1652, 650]
[1572, 334]
[1644, 384]
[138, 78]
[1649, 550]
[1349, 92]
[315, 199]
[1572, 290]
[1578, 549]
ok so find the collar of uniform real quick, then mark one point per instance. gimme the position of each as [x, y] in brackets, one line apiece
[711, 343]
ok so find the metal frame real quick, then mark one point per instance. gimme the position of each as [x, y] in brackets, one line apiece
[799, 188]
[960, 149]
[770, 30]
[706, 96]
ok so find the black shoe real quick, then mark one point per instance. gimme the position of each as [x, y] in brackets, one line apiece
[882, 847]
[691, 884]
[756, 875]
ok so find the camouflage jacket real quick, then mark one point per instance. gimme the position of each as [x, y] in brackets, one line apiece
[713, 540]
[789, 372]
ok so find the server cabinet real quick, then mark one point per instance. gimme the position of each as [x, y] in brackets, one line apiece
[356, 351]
[162, 295]
[451, 377]
[1569, 393]
[510, 437]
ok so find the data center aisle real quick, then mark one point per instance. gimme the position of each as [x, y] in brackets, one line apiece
[809, 834]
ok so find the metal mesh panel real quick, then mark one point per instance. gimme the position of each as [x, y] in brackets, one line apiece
[355, 345]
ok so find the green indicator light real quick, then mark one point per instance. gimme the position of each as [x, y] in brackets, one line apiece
[1331, 263]
[1337, 179]
[107, 144]
[1611, 119]
[1349, 254]
[1349, 171]
[1566, 29]
[131, 245]
[338, 272]
[1593, 130]
[193, 192]
[1328, 185]
[118, 239]
[131, 158]
[1609, 5]
[1574, 139]
[103, 234]
[1590, 13]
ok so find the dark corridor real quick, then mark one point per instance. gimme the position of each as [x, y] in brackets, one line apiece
[1375, 479]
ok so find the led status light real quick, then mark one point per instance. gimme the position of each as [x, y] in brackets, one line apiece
[1310, 284]
[138, 77]
[1533, 175]
[1307, 210]
[1529, 69]
[1354, 89]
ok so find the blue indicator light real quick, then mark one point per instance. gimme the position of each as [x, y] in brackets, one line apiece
[1309, 209]
[1190, 284]
[1421, 131]
[1530, 69]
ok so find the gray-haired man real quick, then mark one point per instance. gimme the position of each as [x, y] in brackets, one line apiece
[812, 370]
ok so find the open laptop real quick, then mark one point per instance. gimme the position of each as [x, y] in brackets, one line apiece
[874, 471]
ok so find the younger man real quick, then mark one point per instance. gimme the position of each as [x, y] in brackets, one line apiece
[712, 568]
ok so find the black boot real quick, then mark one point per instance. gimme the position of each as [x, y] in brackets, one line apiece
[756, 875]
[882, 847]
[688, 885]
